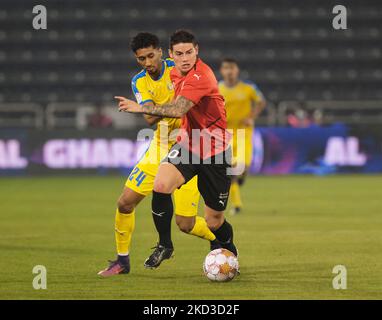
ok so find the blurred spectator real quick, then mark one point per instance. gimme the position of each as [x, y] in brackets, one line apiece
[317, 117]
[301, 118]
[298, 119]
[100, 120]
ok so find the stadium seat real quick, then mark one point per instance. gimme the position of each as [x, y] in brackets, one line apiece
[288, 48]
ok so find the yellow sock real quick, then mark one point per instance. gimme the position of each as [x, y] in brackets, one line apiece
[124, 228]
[235, 195]
[201, 229]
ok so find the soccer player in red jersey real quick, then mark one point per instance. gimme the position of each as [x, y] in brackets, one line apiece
[202, 148]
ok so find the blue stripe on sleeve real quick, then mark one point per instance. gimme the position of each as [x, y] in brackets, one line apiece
[254, 86]
[135, 79]
[170, 63]
[143, 102]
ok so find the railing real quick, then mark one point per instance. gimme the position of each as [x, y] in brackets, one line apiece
[328, 112]
[77, 115]
[68, 115]
[25, 115]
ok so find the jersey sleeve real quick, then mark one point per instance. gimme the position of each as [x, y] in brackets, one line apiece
[196, 86]
[141, 93]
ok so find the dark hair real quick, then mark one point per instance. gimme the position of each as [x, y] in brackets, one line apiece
[229, 60]
[144, 40]
[182, 36]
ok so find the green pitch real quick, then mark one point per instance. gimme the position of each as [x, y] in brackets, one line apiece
[291, 234]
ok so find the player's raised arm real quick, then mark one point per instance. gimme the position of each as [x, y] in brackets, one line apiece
[175, 109]
[124, 103]
[151, 120]
[128, 105]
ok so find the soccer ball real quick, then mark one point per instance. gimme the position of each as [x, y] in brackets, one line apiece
[220, 265]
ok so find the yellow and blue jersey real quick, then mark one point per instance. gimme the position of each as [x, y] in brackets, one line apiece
[238, 102]
[142, 177]
[159, 92]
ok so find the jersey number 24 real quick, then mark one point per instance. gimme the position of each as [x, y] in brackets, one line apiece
[137, 177]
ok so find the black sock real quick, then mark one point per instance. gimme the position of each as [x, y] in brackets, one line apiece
[225, 233]
[215, 244]
[124, 260]
[162, 211]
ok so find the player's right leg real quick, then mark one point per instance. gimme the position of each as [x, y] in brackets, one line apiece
[138, 185]
[166, 181]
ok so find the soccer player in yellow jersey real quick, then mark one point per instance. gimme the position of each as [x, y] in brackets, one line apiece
[153, 86]
[244, 102]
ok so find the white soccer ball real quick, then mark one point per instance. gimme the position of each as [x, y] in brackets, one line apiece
[220, 265]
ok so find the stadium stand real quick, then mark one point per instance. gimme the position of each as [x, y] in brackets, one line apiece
[289, 48]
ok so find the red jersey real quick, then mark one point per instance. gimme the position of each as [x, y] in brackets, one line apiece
[204, 125]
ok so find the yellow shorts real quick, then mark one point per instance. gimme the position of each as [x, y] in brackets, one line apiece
[186, 198]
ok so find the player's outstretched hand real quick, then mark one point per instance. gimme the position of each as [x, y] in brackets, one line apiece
[128, 105]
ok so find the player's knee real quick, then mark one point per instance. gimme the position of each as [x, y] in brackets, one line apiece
[162, 187]
[125, 206]
[185, 224]
[214, 222]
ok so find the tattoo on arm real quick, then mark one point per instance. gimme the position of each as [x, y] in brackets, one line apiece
[174, 109]
[151, 120]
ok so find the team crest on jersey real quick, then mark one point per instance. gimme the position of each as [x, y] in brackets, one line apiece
[170, 86]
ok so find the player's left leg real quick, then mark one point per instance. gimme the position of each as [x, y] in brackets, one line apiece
[214, 184]
[221, 228]
[216, 222]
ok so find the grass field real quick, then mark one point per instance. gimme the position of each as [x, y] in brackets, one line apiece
[292, 233]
